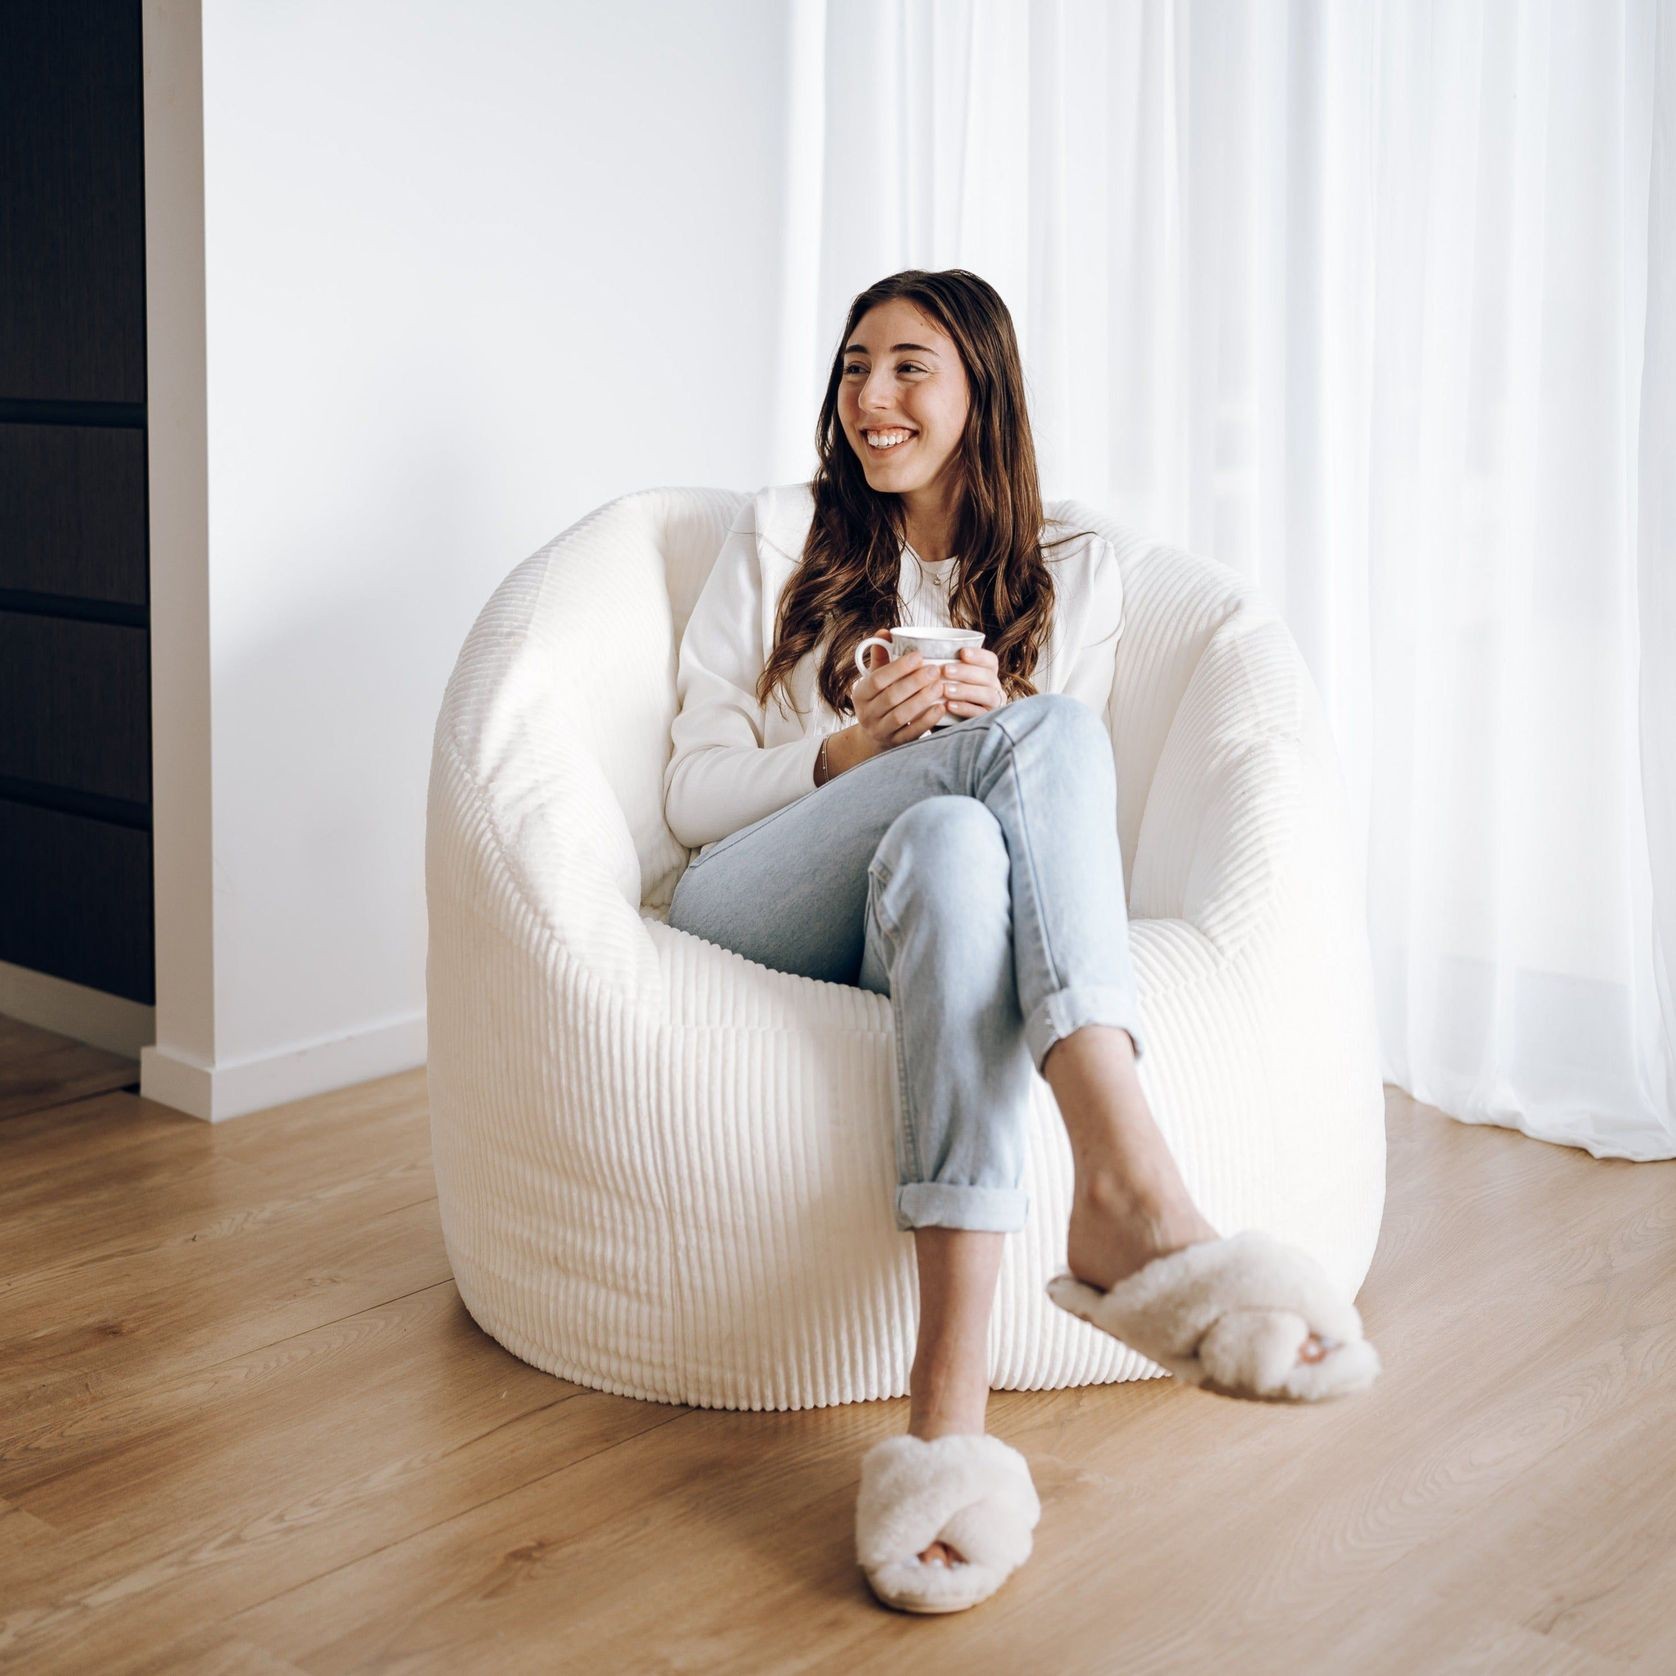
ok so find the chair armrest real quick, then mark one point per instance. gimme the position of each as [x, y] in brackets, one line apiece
[523, 825]
[1245, 819]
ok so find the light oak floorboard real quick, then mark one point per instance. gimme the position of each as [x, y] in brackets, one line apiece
[247, 1425]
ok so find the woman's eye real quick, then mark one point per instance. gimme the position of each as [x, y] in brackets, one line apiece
[907, 366]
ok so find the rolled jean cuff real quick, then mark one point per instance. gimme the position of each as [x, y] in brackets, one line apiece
[942, 1204]
[1070, 1009]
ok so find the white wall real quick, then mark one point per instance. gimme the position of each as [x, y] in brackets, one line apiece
[468, 272]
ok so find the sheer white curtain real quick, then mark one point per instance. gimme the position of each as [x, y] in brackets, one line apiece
[1375, 303]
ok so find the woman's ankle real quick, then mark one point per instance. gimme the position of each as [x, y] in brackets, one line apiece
[939, 1402]
[1116, 1228]
[1159, 1203]
[958, 1422]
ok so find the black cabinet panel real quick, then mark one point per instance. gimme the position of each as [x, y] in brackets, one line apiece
[73, 512]
[72, 206]
[78, 902]
[75, 659]
[76, 702]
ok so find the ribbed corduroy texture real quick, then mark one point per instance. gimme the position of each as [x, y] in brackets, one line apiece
[666, 1171]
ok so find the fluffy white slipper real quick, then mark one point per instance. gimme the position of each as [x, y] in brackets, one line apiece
[1231, 1315]
[973, 1492]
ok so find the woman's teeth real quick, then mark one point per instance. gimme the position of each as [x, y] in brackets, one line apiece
[880, 441]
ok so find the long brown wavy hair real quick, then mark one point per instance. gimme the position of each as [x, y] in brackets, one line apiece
[848, 581]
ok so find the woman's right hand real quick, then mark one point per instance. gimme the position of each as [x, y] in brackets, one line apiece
[897, 699]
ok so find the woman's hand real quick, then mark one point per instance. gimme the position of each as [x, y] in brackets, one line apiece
[899, 701]
[974, 684]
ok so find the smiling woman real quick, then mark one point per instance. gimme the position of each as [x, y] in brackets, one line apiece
[959, 851]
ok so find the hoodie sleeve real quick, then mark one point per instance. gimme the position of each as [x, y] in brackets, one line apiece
[721, 776]
[1094, 662]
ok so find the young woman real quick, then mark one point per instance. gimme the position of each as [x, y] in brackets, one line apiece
[954, 846]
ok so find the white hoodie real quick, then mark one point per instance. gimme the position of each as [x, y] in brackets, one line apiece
[733, 762]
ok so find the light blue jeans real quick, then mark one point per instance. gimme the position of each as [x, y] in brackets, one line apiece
[974, 876]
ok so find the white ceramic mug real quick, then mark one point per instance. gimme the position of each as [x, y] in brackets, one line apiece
[934, 645]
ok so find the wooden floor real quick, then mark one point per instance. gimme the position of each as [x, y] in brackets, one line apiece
[246, 1425]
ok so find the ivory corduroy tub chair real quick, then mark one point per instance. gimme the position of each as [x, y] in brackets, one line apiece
[666, 1171]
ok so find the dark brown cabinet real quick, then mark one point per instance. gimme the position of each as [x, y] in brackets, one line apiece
[75, 641]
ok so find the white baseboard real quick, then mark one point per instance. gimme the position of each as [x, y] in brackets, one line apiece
[73, 1010]
[218, 1092]
[212, 1092]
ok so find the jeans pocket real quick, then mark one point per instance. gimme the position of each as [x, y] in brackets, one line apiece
[879, 882]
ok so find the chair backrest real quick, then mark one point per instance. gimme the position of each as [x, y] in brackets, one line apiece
[582, 637]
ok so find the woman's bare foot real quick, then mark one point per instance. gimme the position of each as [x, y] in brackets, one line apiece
[1130, 1204]
[1111, 1237]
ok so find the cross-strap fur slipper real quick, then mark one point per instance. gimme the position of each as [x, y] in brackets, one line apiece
[1231, 1315]
[973, 1492]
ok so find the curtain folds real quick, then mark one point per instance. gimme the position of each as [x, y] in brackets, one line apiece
[1375, 303]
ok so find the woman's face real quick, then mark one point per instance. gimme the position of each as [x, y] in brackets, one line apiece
[900, 373]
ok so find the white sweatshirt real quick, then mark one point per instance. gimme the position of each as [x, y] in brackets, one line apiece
[733, 762]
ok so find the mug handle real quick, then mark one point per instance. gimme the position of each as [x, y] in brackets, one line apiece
[861, 650]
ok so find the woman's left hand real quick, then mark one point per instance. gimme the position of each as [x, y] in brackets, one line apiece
[973, 685]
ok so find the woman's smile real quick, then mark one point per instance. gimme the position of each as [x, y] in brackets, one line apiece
[882, 442]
